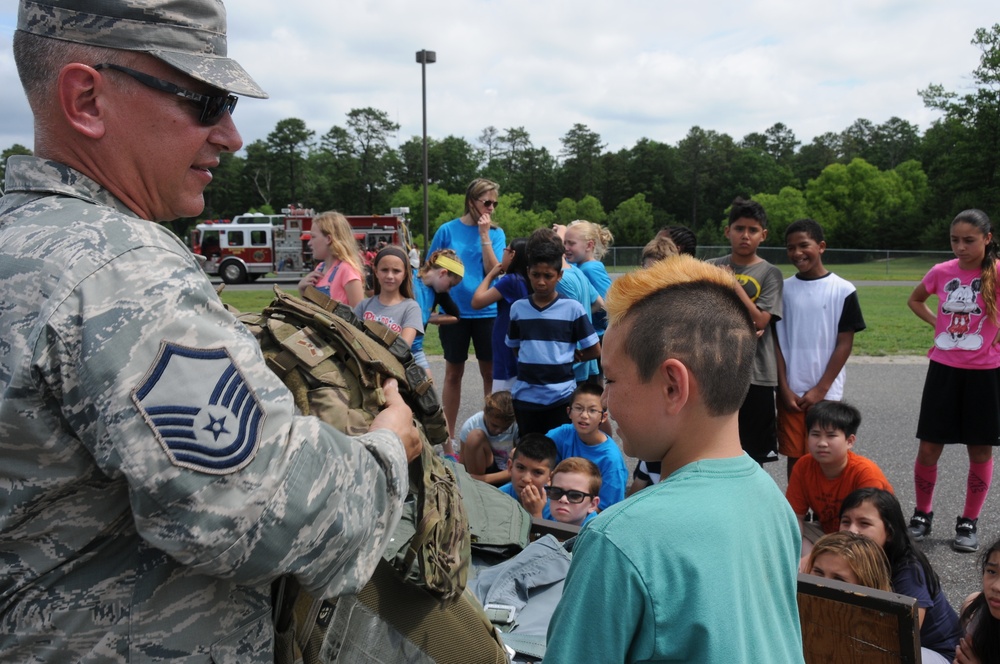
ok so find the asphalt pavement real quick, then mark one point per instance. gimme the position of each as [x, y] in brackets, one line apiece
[887, 392]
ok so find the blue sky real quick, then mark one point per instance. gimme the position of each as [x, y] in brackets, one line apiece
[628, 69]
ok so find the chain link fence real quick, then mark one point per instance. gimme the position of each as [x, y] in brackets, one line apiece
[886, 264]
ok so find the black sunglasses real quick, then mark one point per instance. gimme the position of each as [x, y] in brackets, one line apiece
[212, 108]
[575, 497]
[491, 204]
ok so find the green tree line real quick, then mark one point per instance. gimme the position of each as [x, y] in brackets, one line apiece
[883, 186]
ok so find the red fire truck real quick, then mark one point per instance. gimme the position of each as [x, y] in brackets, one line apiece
[253, 244]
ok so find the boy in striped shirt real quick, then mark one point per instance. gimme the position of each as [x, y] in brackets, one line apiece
[549, 333]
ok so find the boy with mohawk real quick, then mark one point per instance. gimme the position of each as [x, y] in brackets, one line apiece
[705, 579]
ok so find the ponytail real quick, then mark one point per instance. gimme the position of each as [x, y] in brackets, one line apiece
[989, 277]
[599, 235]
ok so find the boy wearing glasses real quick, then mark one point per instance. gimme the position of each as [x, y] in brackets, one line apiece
[584, 438]
[703, 566]
[573, 492]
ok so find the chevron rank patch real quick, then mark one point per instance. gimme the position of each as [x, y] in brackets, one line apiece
[200, 409]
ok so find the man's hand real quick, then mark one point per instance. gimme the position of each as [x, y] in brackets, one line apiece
[397, 417]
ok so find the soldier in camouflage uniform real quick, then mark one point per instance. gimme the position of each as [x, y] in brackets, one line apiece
[154, 475]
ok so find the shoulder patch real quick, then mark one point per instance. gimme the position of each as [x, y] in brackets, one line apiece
[200, 408]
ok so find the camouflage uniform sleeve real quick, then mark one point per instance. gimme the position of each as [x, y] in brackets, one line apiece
[223, 474]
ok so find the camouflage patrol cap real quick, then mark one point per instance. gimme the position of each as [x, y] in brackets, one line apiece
[189, 35]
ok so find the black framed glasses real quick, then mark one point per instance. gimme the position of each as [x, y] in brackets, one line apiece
[489, 204]
[212, 107]
[575, 497]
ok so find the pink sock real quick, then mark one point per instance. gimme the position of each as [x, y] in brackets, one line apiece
[924, 479]
[977, 488]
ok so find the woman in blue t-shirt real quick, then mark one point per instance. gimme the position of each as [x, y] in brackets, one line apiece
[479, 244]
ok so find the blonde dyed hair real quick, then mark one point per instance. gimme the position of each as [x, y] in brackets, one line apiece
[591, 232]
[687, 310]
[582, 466]
[337, 229]
[863, 555]
[630, 289]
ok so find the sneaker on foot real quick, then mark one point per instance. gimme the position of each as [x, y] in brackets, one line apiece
[966, 539]
[920, 524]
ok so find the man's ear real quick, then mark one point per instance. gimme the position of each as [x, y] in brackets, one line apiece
[79, 92]
[594, 502]
[675, 385]
[850, 440]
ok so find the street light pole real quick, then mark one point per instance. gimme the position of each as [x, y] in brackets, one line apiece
[425, 57]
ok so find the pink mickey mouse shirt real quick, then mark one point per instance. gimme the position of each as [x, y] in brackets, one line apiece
[963, 333]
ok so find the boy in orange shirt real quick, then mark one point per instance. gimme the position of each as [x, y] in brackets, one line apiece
[823, 478]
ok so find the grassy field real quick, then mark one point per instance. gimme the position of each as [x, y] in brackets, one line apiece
[892, 327]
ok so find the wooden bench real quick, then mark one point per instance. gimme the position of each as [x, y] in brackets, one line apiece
[848, 624]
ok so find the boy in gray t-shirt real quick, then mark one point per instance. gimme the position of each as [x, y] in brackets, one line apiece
[761, 293]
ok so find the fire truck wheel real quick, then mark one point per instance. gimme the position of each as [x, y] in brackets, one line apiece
[233, 272]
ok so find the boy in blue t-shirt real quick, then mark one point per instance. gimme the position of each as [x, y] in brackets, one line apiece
[583, 438]
[531, 467]
[652, 563]
[549, 332]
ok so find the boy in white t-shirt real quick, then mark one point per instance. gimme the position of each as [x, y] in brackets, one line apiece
[815, 336]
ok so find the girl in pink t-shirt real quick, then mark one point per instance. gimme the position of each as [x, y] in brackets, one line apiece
[961, 399]
[338, 275]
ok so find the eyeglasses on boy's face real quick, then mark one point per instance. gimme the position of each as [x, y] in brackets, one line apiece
[212, 107]
[575, 497]
[593, 412]
[489, 204]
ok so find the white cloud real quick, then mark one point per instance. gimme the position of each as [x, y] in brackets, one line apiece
[626, 69]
